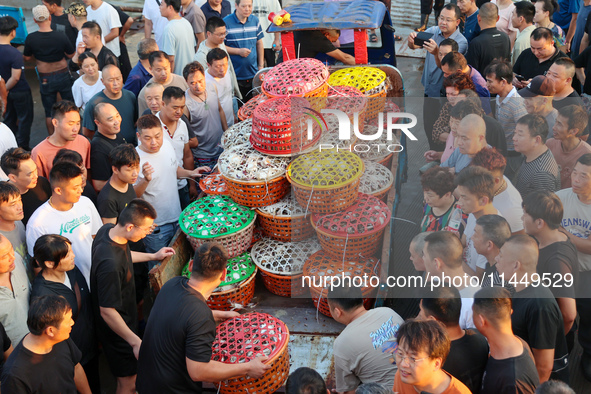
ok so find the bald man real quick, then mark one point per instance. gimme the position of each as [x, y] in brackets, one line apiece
[491, 43]
[107, 137]
[471, 139]
[123, 100]
[536, 316]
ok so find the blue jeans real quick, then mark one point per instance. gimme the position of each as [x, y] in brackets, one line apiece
[51, 85]
[160, 238]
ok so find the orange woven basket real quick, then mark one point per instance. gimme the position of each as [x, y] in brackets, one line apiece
[355, 232]
[325, 182]
[241, 294]
[387, 161]
[213, 184]
[253, 179]
[246, 111]
[243, 338]
[281, 264]
[285, 221]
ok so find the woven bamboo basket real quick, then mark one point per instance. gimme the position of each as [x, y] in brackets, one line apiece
[321, 265]
[237, 134]
[349, 100]
[253, 179]
[303, 77]
[245, 337]
[280, 127]
[246, 111]
[325, 182]
[281, 264]
[377, 180]
[218, 218]
[356, 232]
[369, 80]
[213, 184]
[285, 221]
[379, 150]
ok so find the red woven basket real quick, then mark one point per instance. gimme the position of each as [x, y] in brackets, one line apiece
[321, 265]
[349, 100]
[241, 339]
[246, 111]
[242, 294]
[281, 264]
[280, 127]
[303, 77]
[285, 221]
[213, 184]
[355, 232]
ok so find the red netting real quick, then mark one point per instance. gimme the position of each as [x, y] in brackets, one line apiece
[213, 184]
[246, 111]
[299, 77]
[321, 265]
[279, 126]
[367, 216]
[242, 339]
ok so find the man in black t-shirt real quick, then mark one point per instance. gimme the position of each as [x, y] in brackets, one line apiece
[510, 367]
[46, 360]
[5, 347]
[583, 65]
[50, 49]
[468, 354]
[542, 214]
[113, 288]
[536, 317]
[22, 172]
[176, 351]
[309, 43]
[59, 20]
[92, 41]
[107, 137]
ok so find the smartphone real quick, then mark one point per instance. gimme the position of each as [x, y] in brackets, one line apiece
[520, 78]
[421, 38]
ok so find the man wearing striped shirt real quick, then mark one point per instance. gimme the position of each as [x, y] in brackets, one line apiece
[539, 170]
[244, 42]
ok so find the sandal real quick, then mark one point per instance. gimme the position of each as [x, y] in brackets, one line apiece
[373, 37]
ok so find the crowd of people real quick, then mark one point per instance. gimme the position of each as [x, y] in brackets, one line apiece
[89, 210]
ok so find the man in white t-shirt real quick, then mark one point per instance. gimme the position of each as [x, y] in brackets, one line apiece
[442, 256]
[107, 17]
[475, 190]
[155, 22]
[218, 75]
[7, 141]
[507, 199]
[157, 182]
[178, 40]
[176, 132]
[576, 223]
[67, 213]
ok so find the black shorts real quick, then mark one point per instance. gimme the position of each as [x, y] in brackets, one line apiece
[119, 355]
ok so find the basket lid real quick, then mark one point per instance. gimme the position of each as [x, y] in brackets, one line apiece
[326, 169]
[280, 109]
[365, 79]
[288, 206]
[237, 134]
[283, 258]
[213, 184]
[375, 178]
[244, 163]
[214, 216]
[367, 216]
[295, 77]
[246, 111]
[375, 150]
[239, 268]
[243, 338]
[348, 99]
[321, 265]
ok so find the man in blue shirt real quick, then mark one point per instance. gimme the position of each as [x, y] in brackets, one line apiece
[244, 42]
[139, 75]
[470, 11]
[432, 78]
[566, 17]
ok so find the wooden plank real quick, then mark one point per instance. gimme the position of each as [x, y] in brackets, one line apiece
[172, 265]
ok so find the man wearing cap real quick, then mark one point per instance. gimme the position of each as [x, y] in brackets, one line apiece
[537, 59]
[51, 49]
[77, 17]
[538, 95]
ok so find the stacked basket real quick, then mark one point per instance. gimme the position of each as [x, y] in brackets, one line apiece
[242, 339]
[377, 180]
[285, 221]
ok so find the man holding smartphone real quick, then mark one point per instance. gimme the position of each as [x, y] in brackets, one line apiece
[432, 78]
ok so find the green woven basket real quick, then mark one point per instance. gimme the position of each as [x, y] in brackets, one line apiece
[215, 216]
[239, 269]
